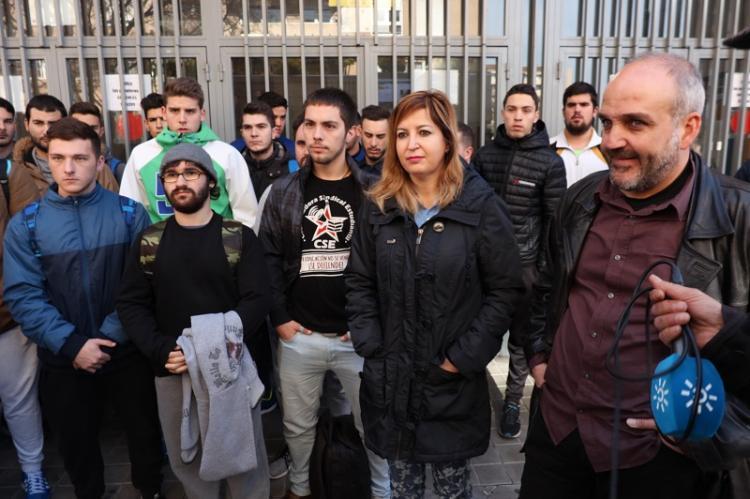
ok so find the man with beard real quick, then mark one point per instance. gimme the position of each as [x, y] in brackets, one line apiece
[578, 144]
[527, 174]
[31, 152]
[374, 137]
[267, 159]
[7, 129]
[63, 263]
[658, 200]
[307, 228]
[195, 262]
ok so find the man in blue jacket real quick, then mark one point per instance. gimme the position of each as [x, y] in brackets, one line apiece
[62, 264]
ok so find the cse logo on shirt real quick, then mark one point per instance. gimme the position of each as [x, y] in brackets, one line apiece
[333, 221]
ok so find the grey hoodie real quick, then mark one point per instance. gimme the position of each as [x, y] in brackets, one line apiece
[219, 391]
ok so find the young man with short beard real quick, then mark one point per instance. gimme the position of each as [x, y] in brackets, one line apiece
[374, 138]
[7, 129]
[63, 261]
[191, 264]
[578, 144]
[31, 152]
[307, 227]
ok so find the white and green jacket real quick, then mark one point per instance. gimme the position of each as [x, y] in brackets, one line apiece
[140, 180]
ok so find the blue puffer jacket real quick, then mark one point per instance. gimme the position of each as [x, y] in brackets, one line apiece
[67, 295]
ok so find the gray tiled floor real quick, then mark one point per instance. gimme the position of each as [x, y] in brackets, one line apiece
[496, 474]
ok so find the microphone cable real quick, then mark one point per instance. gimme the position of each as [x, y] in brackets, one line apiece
[684, 345]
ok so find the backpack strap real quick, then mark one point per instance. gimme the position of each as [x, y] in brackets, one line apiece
[29, 219]
[4, 175]
[149, 246]
[231, 238]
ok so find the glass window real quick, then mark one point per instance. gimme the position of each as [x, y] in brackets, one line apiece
[386, 79]
[15, 83]
[571, 71]
[494, 19]
[9, 18]
[491, 101]
[572, 19]
[49, 17]
[294, 97]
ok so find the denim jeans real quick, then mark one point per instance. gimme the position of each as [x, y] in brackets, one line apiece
[303, 362]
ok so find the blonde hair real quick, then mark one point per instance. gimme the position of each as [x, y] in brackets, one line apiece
[395, 181]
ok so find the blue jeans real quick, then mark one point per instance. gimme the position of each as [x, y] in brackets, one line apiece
[303, 362]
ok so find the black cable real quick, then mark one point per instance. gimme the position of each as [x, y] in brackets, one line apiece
[612, 364]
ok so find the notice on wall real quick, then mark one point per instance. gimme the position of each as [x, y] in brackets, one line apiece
[738, 91]
[133, 91]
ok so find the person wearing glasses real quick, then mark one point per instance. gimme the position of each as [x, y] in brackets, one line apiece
[195, 262]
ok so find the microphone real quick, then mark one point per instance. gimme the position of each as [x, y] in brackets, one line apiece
[687, 393]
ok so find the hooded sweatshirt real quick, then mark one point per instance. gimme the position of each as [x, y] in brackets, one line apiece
[140, 180]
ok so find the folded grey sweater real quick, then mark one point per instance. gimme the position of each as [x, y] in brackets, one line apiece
[219, 391]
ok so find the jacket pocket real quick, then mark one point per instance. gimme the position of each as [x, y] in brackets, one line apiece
[448, 395]
[372, 390]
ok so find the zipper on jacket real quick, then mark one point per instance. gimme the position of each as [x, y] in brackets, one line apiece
[419, 240]
[85, 273]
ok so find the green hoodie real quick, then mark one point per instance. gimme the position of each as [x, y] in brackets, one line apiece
[159, 208]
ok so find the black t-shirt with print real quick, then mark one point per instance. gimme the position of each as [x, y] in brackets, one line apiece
[329, 217]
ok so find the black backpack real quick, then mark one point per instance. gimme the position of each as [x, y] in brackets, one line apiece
[339, 467]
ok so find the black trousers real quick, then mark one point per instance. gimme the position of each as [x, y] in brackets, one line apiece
[73, 403]
[564, 472]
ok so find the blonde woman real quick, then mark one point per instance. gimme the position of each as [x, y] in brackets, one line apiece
[432, 282]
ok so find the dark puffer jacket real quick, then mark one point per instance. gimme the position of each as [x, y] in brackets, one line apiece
[530, 178]
[410, 307]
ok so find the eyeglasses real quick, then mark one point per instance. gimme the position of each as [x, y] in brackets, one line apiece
[189, 175]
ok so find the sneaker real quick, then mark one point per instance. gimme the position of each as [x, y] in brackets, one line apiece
[35, 485]
[510, 423]
[279, 468]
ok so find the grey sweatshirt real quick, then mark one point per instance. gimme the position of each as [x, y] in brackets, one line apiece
[219, 391]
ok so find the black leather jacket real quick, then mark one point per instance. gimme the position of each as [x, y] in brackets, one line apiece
[714, 256]
[530, 178]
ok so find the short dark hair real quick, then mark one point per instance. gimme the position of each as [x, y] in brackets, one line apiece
[337, 98]
[375, 113]
[71, 129]
[151, 101]
[467, 134]
[579, 88]
[259, 107]
[297, 123]
[184, 87]
[357, 119]
[273, 99]
[522, 88]
[46, 103]
[86, 108]
[5, 104]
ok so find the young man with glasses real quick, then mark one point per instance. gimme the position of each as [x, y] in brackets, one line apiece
[195, 262]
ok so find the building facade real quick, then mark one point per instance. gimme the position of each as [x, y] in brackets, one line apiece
[377, 50]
